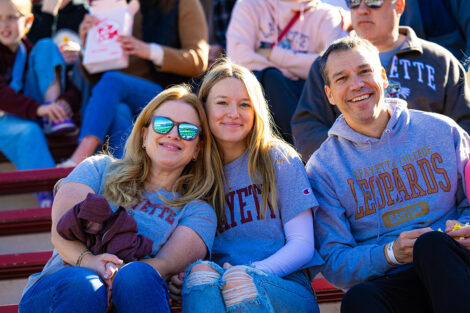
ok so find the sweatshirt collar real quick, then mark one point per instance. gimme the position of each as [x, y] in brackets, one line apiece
[397, 126]
[412, 42]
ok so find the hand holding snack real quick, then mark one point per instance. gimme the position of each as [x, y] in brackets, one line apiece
[459, 231]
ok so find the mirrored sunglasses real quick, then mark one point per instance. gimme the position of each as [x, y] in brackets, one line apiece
[163, 125]
[373, 4]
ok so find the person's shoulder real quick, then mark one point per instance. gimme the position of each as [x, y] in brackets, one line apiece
[200, 207]
[424, 119]
[99, 159]
[282, 151]
[436, 51]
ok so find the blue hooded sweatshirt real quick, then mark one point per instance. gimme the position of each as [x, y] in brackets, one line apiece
[370, 190]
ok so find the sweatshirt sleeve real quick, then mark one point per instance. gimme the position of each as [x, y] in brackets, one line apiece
[16, 103]
[314, 115]
[346, 262]
[241, 38]
[193, 57]
[327, 28]
[457, 100]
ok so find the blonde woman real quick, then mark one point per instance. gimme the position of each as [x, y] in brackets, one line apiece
[166, 172]
[265, 230]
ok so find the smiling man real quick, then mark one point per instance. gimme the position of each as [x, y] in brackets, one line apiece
[424, 74]
[386, 179]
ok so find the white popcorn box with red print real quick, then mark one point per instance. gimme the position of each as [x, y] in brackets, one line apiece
[102, 50]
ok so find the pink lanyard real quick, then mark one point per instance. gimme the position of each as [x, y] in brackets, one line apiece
[286, 29]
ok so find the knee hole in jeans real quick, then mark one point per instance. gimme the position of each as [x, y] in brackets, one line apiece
[239, 286]
[201, 274]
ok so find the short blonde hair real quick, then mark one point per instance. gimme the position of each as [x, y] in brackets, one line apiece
[201, 179]
[25, 7]
[262, 137]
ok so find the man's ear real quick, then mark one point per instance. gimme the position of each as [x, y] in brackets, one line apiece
[384, 77]
[328, 95]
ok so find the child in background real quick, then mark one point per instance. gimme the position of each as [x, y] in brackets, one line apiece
[31, 87]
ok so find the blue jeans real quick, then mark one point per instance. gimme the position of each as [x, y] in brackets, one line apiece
[137, 287]
[267, 293]
[43, 60]
[101, 115]
[22, 140]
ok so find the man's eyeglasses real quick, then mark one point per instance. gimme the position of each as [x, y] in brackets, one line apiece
[373, 4]
[163, 125]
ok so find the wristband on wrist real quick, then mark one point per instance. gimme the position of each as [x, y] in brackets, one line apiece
[391, 254]
[80, 257]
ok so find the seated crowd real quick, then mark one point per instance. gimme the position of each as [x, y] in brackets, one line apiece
[248, 146]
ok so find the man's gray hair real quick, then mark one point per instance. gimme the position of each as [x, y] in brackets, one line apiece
[345, 44]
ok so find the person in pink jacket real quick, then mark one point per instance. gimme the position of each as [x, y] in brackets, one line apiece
[258, 37]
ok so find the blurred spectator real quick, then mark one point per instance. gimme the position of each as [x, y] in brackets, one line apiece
[59, 20]
[445, 22]
[169, 45]
[51, 16]
[260, 39]
[423, 73]
[337, 3]
[222, 11]
[32, 86]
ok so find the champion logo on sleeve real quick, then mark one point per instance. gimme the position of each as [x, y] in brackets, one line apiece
[307, 191]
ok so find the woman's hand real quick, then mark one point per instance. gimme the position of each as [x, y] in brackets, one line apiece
[175, 286]
[106, 265]
[134, 46]
[54, 111]
[88, 22]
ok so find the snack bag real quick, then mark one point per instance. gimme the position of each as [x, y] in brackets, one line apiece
[102, 50]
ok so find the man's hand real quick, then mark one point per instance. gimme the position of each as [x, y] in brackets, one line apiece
[462, 235]
[403, 245]
[134, 46]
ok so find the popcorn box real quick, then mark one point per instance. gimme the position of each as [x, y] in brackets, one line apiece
[102, 50]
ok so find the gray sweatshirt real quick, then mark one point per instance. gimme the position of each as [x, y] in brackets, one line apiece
[370, 190]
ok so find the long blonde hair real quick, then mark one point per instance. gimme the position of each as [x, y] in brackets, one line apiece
[200, 179]
[262, 138]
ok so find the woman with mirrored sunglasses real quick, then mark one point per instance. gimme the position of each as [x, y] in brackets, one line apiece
[264, 241]
[168, 181]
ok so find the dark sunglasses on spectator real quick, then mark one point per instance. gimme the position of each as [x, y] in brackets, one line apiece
[163, 125]
[373, 4]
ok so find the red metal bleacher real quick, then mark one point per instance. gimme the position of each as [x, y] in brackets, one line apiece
[23, 221]
[16, 182]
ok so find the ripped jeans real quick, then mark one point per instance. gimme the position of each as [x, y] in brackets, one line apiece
[244, 288]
